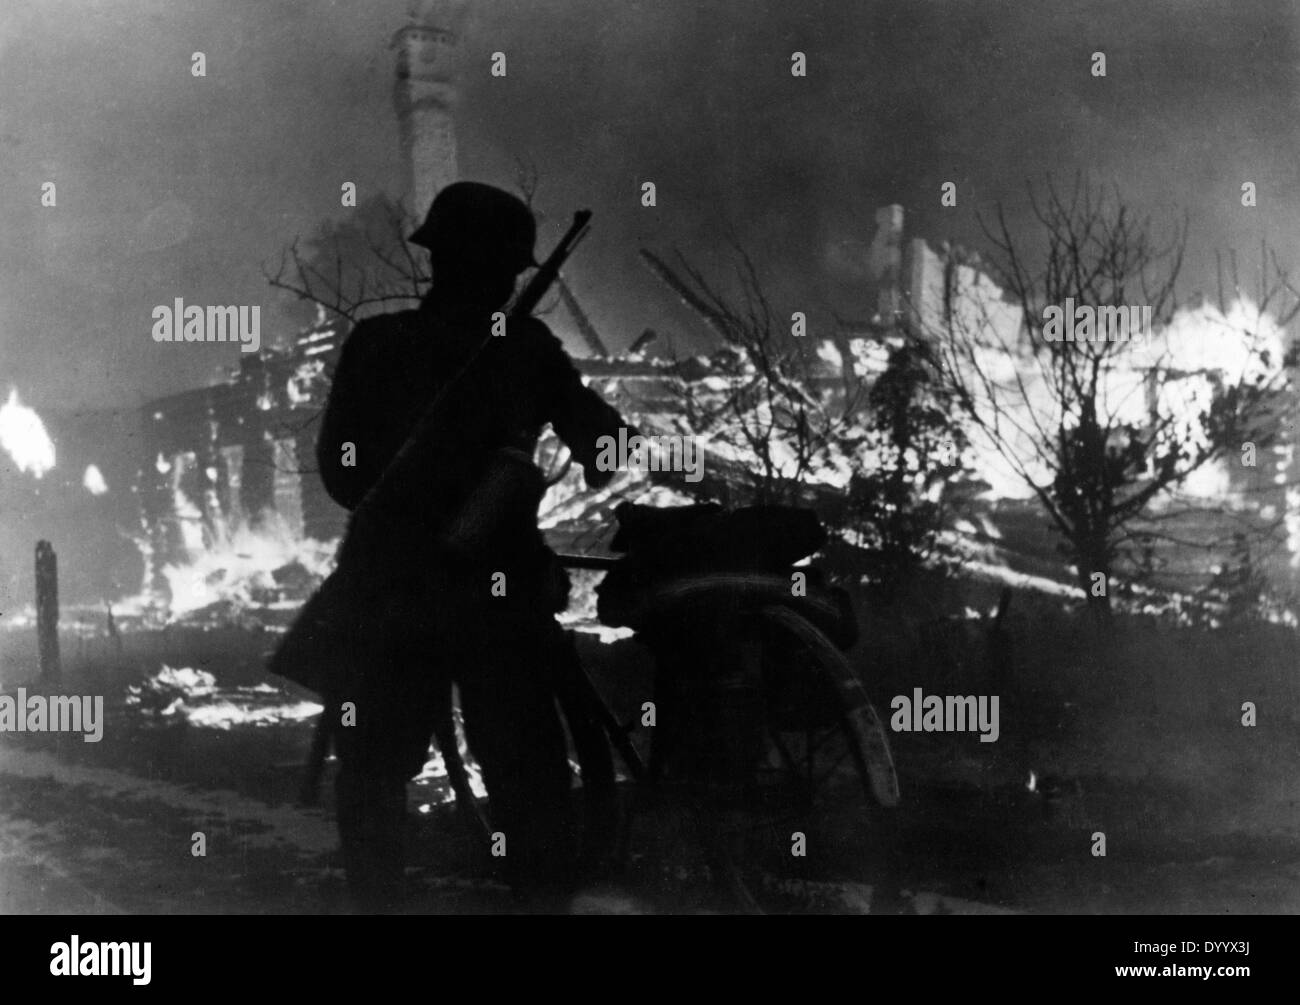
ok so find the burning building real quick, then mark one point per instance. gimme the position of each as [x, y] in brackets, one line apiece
[238, 457]
[239, 454]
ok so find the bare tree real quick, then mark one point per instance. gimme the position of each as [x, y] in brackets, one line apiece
[365, 264]
[359, 267]
[1099, 429]
[884, 434]
[766, 402]
[917, 479]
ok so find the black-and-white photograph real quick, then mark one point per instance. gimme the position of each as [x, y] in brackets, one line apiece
[650, 457]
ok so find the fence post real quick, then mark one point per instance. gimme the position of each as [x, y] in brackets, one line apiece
[47, 613]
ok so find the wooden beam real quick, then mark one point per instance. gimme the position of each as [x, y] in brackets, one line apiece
[585, 328]
[47, 613]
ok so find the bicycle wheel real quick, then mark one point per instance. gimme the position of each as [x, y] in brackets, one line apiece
[583, 715]
[471, 813]
[827, 781]
[688, 825]
[588, 719]
[826, 732]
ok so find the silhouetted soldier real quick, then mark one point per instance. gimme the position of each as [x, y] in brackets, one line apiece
[424, 566]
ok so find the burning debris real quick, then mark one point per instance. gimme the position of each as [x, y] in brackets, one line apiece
[241, 577]
[245, 569]
[433, 784]
[193, 696]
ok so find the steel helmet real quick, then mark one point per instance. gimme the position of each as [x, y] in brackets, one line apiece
[479, 224]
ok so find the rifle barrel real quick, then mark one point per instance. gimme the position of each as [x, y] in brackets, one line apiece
[549, 270]
[602, 562]
[524, 305]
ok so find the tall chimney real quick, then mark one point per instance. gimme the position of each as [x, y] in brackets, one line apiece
[424, 97]
[886, 262]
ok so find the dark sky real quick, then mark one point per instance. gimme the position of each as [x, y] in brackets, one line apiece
[172, 186]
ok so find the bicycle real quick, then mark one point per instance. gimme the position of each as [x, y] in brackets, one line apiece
[760, 720]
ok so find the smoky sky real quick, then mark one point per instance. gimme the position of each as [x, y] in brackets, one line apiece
[174, 186]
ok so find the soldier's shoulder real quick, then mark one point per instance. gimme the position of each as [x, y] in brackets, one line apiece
[373, 334]
[540, 349]
[532, 327]
[537, 337]
[383, 325]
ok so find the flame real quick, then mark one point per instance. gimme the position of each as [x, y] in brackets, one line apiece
[93, 481]
[434, 773]
[1200, 348]
[193, 695]
[236, 566]
[23, 437]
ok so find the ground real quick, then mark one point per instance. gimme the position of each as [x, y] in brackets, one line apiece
[1144, 744]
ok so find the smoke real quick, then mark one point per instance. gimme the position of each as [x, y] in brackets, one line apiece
[179, 191]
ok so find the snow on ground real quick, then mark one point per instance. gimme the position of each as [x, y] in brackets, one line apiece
[307, 830]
